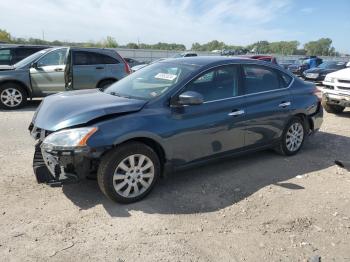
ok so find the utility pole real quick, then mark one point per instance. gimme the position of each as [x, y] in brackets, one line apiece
[43, 34]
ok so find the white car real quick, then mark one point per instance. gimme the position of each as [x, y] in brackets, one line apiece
[336, 91]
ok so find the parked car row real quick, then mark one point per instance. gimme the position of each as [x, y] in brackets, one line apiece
[55, 70]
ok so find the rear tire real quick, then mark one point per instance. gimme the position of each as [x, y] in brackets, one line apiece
[334, 109]
[12, 96]
[293, 137]
[129, 172]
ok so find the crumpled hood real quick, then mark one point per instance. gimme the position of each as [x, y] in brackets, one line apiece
[79, 107]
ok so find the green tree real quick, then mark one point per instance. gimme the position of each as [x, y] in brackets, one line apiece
[5, 36]
[132, 46]
[109, 42]
[319, 47]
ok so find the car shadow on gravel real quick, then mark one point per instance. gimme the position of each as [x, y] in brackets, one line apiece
[223, 183]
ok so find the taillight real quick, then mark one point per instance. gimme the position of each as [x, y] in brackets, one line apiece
[127, 68]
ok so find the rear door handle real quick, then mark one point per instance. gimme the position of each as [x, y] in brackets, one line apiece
[285, 104]
[237, 112]
[100, 67]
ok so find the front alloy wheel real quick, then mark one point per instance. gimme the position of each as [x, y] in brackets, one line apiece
[129, 172]
[133, 176]
[12, 96]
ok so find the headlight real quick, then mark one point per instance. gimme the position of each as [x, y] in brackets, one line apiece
[329, 79]
[68, 139]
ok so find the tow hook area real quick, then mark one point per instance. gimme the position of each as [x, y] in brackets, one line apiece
[47, 170]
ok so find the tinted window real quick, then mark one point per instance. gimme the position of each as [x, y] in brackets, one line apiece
[285, 79]
[217, 84]
[90, 58]
[57, 57]
[259, 79]
[5, 55]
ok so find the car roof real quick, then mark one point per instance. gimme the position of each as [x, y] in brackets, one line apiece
[212, 60]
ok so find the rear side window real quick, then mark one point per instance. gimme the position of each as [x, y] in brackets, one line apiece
[260, 79]
[219, 83]
[285, 80]
[5, 55]
[91, 58]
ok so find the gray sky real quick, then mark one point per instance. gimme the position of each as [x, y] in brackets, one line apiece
[238, 22]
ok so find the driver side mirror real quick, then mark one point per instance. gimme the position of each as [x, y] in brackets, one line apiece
[34, 65]
[190, 98]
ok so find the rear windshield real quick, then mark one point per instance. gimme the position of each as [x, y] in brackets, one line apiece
[151, 81]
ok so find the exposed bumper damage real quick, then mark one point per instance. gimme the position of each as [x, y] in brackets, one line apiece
[57, 168]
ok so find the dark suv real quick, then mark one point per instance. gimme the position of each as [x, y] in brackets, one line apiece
[13, 54]
[171, 114]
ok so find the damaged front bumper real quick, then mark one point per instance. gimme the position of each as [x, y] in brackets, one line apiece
[59, 167]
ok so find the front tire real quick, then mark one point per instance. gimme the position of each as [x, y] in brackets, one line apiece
[12, 96]
[129, 172]
[292, 138]
[334, 109]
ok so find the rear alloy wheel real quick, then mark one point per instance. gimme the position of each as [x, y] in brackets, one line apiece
[128, 173]
[334, 109]
[292, 138]
[12, 96]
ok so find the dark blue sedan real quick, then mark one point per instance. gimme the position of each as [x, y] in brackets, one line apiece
[170, 115]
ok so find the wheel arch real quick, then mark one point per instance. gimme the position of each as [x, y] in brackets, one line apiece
[106, 79]
[309, 125]
[21, 84]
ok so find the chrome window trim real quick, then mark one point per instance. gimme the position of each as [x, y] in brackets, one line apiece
[239, 64]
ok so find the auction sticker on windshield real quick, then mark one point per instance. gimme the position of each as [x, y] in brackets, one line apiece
[165, 76]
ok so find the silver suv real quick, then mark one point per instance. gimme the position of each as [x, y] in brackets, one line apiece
[55, 70]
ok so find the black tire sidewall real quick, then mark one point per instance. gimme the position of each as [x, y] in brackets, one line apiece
[111, 161]
[284, 148]
[19, 89]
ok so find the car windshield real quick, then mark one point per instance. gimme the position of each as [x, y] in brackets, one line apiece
[332, 65]
[151, 81]
[30, 58]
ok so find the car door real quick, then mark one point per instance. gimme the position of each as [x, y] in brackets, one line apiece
[215, 126]
[88, 69]
[268, 103]
[47, 74]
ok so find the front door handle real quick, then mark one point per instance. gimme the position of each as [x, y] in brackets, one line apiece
[237, 112]
[100, 67]
[285, 104]
[58, 69]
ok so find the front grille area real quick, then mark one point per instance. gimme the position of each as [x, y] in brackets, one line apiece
[343, 88]
[344, 81]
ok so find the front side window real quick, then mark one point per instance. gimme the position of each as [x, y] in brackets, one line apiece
[260, 79]
[219, 83]
[57, 57]
[151, 81]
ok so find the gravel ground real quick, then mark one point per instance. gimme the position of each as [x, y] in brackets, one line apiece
[260, 207]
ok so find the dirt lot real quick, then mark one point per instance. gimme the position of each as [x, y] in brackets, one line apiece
[260, 207]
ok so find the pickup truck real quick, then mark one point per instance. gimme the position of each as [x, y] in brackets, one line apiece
[336, 91]
[59, 69]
